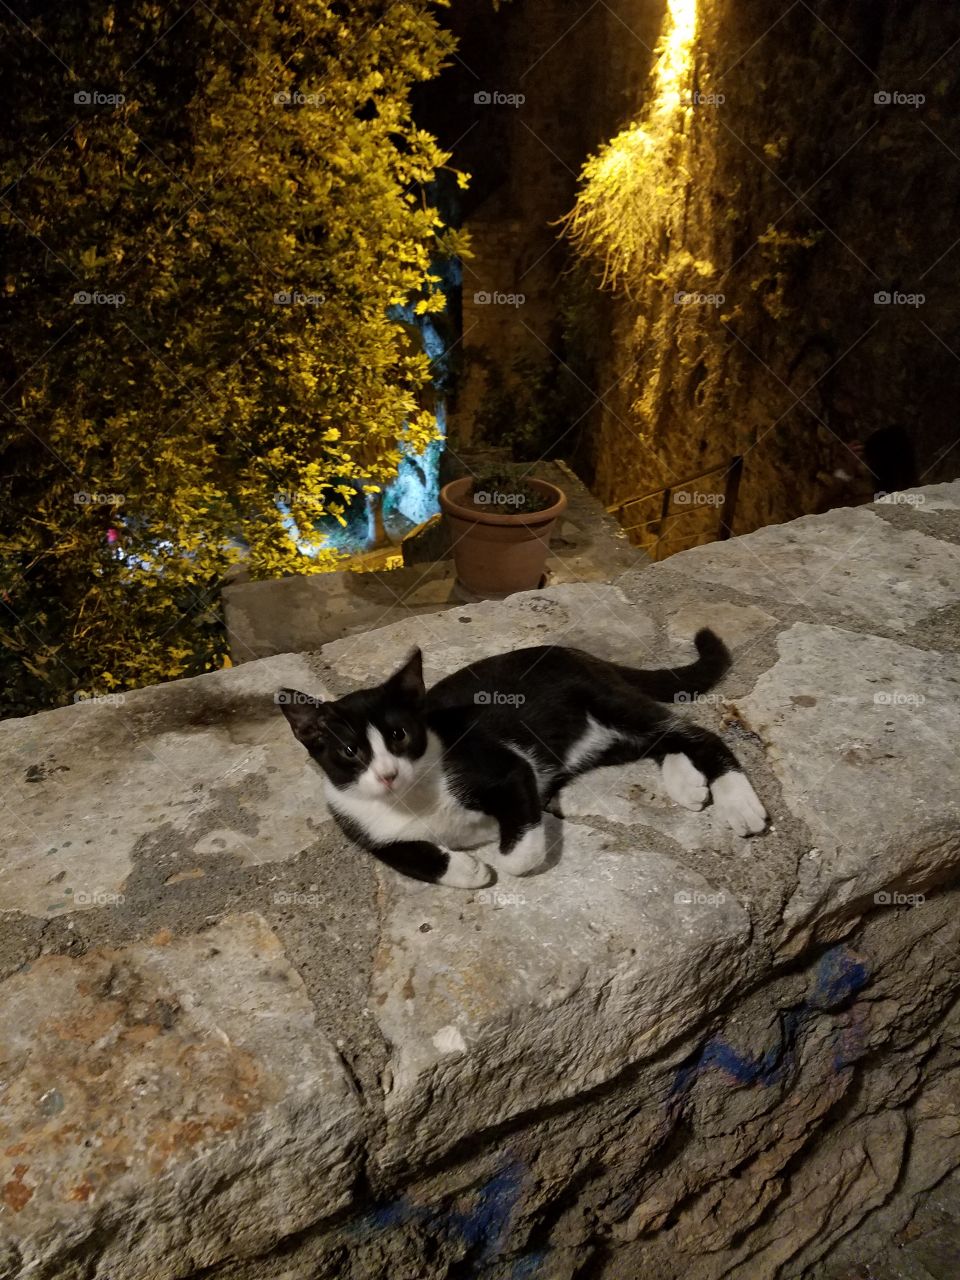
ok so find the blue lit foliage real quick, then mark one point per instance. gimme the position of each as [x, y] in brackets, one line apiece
[413, 496]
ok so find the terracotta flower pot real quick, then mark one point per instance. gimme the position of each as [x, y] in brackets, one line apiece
[500, 549]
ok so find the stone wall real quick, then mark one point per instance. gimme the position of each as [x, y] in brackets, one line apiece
[233, 1046]
[794, 194]
[577, 68]
[800, 198]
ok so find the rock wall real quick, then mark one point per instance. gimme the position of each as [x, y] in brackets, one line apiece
[233, 1046]
[535, 88]
[788, 186]
[796, 190]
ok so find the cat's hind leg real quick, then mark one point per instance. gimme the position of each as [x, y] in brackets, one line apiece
[683, 781]
[695, 763]
[694, 759]
[738, 804]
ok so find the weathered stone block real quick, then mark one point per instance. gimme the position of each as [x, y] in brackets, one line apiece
[165, 1104]
[673, 1053]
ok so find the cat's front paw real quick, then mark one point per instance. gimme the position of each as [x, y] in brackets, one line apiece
[464, 872]
[738, 804]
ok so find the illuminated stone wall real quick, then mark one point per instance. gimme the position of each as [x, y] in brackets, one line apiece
[577, 69]
[771, 176]
[794, 194]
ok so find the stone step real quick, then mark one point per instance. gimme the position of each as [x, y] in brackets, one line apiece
[300, 613]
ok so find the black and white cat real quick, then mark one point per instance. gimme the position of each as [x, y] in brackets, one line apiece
[417, 777]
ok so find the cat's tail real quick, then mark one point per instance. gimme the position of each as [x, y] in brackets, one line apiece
[683, 684]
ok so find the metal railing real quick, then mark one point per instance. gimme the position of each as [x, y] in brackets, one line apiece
[732, 471]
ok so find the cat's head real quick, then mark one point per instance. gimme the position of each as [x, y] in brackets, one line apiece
[372, 740]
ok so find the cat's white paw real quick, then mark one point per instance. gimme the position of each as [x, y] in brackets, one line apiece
[738, 804]
[464, 872]
[528, 854]
[683, 781]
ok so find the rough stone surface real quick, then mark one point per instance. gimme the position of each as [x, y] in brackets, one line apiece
[306, 611]
[850, 715]
[672, 1053]
[849, 562]
[93, 783]
[617, 927]
[166, 1102]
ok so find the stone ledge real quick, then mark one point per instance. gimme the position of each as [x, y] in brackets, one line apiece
[619, 1059]
[167, 1103]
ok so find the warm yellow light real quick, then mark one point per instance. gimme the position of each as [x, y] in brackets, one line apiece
[632, 189]
[673, 67]
[622, 154]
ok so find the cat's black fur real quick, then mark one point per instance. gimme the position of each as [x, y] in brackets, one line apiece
[415, 776]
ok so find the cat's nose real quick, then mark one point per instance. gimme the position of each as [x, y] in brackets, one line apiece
[388, 777]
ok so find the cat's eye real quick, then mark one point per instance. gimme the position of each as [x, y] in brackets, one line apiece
[398, 734]
[349, 752]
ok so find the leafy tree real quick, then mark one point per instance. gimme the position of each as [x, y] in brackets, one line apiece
[242, 197]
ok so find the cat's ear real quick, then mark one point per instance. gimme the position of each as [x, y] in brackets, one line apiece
[409, 679]
[304, 714]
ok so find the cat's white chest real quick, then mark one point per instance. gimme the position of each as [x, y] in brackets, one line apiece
[427, 811]
[455, 826]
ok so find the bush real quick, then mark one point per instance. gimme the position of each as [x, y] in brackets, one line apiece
[206, 224]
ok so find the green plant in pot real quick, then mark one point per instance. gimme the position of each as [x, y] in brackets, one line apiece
[500, 524]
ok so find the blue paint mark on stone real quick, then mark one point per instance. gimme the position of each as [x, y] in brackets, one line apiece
[483, 1226]
[528, 1266]
[488, 1220]
[839, 975]
[744, 1068]
[385, 1216]
[392, 1214]
[741, 1067]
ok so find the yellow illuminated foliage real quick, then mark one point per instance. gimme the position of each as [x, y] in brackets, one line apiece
[271, 156]
[632, 190]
